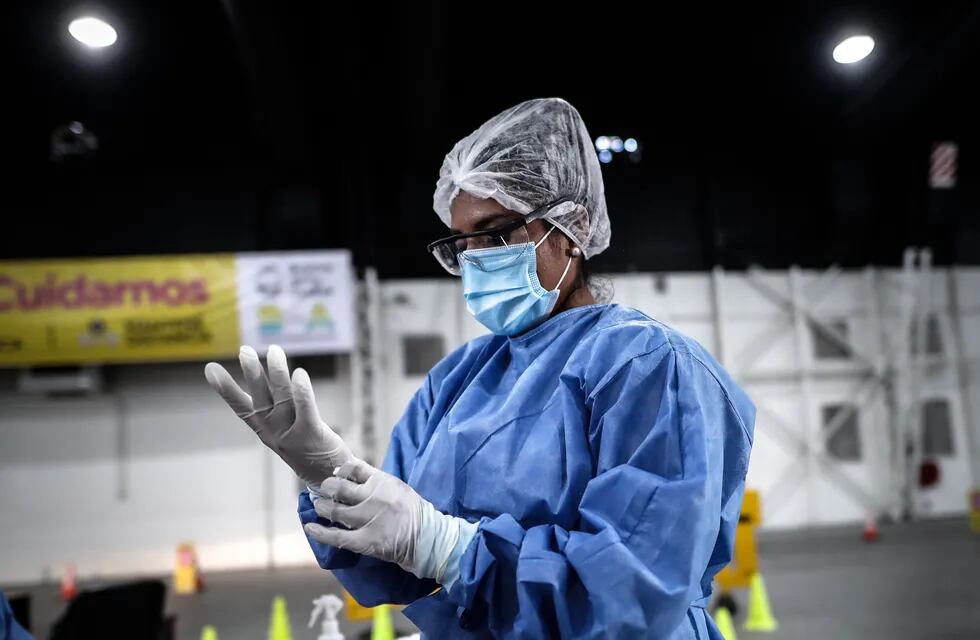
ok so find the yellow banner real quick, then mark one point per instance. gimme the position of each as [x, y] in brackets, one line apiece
[118, 309]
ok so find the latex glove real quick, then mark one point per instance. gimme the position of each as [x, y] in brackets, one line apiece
[387, 519]
[282, 413]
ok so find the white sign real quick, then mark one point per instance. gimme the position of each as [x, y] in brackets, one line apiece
[301, 300]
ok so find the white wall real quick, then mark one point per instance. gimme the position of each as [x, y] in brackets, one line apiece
[113, 483]
[187, 469]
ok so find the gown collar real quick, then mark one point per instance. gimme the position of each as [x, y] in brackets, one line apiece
[550, 329]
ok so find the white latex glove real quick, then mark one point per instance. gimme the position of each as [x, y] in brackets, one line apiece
[387, 519]
[282, 413]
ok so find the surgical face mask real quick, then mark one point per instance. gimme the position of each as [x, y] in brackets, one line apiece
[501, 287]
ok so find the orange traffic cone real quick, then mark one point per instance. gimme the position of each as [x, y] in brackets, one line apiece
[69, 586]
[870, 528]
[187, 576]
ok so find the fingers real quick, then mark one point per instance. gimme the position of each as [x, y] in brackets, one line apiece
[222, 382]
[340, 538]
[343, 490]
[344, 495]
[279, 384]
[255, 380]
[346, 515]
[355, 470]
[303, 397]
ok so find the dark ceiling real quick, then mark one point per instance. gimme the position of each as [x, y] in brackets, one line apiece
[235, 126]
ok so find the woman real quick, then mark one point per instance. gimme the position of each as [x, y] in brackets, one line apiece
[576, 473]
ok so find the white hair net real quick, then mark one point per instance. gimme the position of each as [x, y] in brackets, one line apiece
[527, 157]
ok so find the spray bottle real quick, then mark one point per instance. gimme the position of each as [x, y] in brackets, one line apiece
[329, 605]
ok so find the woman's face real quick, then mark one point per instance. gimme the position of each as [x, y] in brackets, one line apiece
[469, 214]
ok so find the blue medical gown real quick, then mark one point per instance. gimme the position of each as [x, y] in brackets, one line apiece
[604, 456]
[9, 627]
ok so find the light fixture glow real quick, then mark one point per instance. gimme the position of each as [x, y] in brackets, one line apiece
[602, 143]
[605, 156]
[631, 145]
[853, 49]
[92, 32]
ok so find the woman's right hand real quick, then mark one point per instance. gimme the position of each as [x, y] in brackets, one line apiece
[283, 414]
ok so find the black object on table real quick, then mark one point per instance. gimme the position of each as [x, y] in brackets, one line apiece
[132, 611]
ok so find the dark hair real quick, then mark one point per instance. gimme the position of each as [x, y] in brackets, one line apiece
[600, 286]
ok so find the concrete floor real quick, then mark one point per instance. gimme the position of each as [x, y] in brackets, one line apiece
[919, 581]
[236, 603]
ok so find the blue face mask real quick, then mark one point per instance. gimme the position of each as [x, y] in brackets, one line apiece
[502, 290]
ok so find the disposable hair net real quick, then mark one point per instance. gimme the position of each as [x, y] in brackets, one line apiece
[527, 157]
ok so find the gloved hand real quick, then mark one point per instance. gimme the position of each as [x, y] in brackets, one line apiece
[388, 520]
[282, 413]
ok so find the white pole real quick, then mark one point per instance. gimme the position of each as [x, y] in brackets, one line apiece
[269, 504]
[372, 379]
[903, 382]
[717, 282]
[357, 364]
[879, 350]
[122, 446]
[962, 373]
[810, 437]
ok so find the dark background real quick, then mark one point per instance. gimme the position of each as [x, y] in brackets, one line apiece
[236, 126]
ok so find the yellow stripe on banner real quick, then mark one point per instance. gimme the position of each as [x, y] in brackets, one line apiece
[132, 309]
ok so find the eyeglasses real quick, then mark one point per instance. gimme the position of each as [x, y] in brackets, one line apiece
[447, 251]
